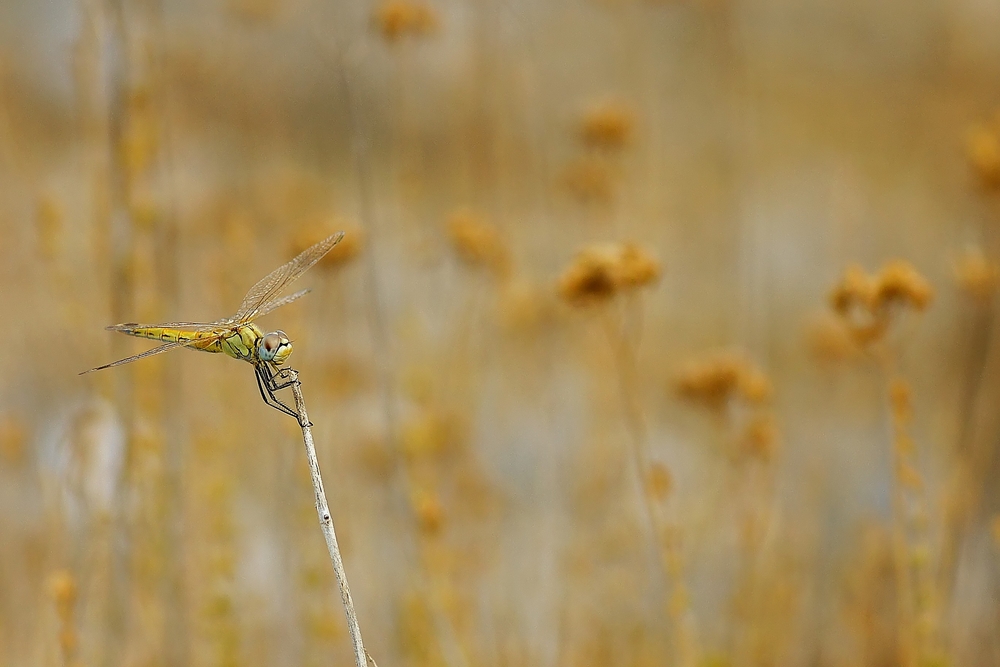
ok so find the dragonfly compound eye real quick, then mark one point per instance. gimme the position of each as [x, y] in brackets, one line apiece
[275, 347]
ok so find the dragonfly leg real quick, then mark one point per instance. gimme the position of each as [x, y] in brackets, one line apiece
[266, 385]
[287, 378]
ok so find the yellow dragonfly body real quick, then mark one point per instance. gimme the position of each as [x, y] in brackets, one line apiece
[238, 336]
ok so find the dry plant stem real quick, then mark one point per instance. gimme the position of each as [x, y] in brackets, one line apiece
[665, 537]
[915, 588]
[326, 525]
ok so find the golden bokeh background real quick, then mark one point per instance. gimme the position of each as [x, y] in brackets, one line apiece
[663, 332]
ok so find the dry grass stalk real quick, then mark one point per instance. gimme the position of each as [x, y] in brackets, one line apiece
[326, 525]
[868, 305]
[599, 274]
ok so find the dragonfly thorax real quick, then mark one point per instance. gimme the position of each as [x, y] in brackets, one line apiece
[274, 347]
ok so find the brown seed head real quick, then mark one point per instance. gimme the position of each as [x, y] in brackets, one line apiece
[761, 437]
[608, 126]
[982, 146]
[601, 271]
[829, 340]
[719, 378]
[429, 513]
[13, 441]
[477, 242]
[855, 289]
[866, 303]
[589, 180]
[976, 275]
[899, 283]
[62, 588]
[659, 481]
[397, 19]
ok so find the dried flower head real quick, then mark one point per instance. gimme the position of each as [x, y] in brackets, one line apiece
[719, 378]
[761, 437]
[976, 275]
[62, 588]
[599, 272]
[589, 180]
[477, 242]
[659, 481]
[982, 146]
[13, 441]
[829, 340]
[608, 126]
[900, 283]
[866, 303]
[429, 513]
[397, 19]
[524, 306]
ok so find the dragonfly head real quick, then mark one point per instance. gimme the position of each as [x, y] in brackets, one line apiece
[274, 347]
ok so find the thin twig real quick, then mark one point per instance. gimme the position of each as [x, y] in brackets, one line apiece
[326, 525]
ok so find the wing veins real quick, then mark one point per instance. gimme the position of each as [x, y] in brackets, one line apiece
[260, 297]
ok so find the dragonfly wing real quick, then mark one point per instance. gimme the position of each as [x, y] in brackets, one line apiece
[159, 349]
[182, 326]
[267, 288]
[278, 303]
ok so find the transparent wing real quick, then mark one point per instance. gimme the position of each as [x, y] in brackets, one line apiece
[268, 307]
[166, 347]
[261, 295]
[180, 326]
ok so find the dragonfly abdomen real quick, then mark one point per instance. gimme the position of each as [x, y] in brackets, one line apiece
[167, 334]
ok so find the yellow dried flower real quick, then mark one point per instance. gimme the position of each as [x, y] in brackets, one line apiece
[899, 282]
[982, 146]
[829, 339]
[636, 267]
[717, 379]
[976, 275]
[13, 438]
[901, 400]
[477, 242]
[429, 513]
[62, 587]
[396, 19]
[866, 302]
[761, 437]
[599, 272]
[659, 481]
[524, 306]
[609, 126]
[855, 289]
[589, 180]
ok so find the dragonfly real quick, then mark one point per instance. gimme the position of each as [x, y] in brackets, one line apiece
[238, 336]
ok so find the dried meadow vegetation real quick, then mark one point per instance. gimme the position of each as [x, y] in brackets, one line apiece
[663, 333]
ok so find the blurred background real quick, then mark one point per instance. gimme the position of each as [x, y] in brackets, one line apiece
[663, 332]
